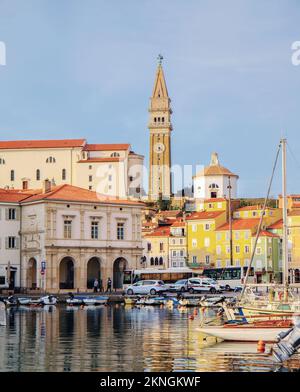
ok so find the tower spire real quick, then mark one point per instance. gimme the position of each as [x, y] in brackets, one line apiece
[160, 128]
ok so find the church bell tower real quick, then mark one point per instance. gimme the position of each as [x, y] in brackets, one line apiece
[160, 128]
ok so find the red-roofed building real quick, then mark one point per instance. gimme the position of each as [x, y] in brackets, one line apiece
[71, 234]
[111, 169]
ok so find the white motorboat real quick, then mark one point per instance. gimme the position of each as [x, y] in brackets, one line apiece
[261, 330]
[48, 300]
[97, 300]
[189, 302]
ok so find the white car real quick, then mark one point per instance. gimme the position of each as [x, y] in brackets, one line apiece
[180, 285]
[203, 284]
[147, 287]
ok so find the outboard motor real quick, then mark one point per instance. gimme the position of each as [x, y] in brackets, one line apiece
[289, 342]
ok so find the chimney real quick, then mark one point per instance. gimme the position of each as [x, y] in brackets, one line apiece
[46, 186]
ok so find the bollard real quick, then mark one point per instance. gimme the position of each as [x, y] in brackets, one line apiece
[261, 346]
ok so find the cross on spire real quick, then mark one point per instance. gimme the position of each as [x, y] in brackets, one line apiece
[160, 59]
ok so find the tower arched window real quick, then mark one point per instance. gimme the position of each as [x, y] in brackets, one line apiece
[38, 174]
[115, 155]
[50, 160]
[63, 174]
[214, 186]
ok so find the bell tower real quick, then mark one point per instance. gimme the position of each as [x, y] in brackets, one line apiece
[160, 128]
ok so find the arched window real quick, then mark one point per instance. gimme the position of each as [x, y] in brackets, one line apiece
[63, 174]
[213, 186]
[12, 175]
[38, 174]
[50, 160]
[152, 261]
[161, 261]
[2, 161]
[115, 154]
[156, 261]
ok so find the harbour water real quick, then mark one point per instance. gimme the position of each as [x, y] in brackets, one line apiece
[120, 338]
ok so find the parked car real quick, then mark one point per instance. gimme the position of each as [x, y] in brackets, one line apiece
[147, 287]
[180, 285]
[203, 284]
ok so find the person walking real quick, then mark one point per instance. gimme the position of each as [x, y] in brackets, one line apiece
[96, 285]
[108, 285]
[101, 289]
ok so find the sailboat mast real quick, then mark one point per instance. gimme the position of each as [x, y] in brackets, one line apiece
[285, 266]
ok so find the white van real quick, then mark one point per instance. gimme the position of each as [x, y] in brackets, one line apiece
[203, 285]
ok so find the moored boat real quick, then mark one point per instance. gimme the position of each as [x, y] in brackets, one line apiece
[189, 302]
[261, 330]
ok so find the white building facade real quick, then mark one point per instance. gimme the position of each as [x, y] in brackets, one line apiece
[213, 181]
[109, 169]
[68, 237]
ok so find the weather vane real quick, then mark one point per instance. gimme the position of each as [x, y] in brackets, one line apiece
[160, 59]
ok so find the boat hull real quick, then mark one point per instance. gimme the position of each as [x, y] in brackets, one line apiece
[244, 334]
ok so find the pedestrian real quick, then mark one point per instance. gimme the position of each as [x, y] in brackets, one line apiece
[96, 284]
[101, 285]
[108, 285]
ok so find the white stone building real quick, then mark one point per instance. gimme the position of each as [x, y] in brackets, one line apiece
[212, 182]
[109, 169]
[69, 237]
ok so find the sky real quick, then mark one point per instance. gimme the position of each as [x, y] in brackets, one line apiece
[85, 69]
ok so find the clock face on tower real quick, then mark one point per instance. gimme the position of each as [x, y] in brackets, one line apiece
[159, 148]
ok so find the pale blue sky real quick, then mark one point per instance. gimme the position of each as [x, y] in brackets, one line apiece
[86, 69]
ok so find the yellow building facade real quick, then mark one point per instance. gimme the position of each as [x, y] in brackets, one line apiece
[201, 237]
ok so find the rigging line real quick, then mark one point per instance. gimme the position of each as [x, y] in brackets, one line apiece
[293, 155]
[260, 222]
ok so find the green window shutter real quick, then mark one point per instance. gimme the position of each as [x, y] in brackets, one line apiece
[6, 213]
[6, 242]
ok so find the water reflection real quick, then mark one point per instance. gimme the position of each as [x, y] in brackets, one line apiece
[118, 338]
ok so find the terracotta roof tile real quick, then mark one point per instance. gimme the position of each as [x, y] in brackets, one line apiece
[265, 233]
[204, 215]
[104, 159]
[276, 225]
[72, 193]
[240, 224]
[163, 231]
[63, 143]
[107, 147]
[294, 213]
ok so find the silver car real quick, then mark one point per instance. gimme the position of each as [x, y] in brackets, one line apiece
[147, 287]
[181, 285]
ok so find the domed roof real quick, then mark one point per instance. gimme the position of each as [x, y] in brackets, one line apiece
[215, 169]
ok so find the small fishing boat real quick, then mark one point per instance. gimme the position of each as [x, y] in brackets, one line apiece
[155, 301]
[97, 300]
[48, 300]
[75, 300]
[250, 332]
[212, 302]
[189, 302]
[151, 301]
[130, 301]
